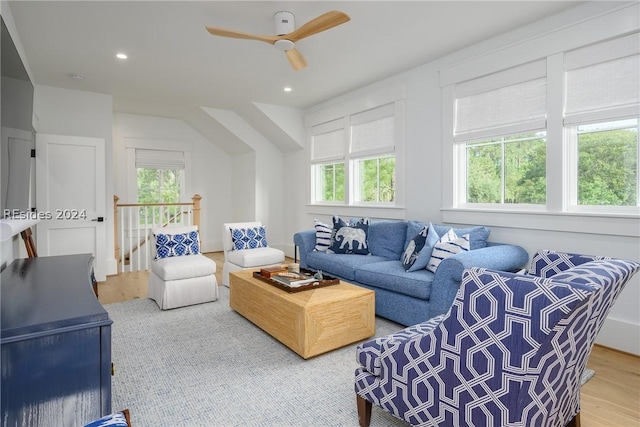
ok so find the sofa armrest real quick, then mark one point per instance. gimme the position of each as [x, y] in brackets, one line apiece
[446, 280]
[306, 242]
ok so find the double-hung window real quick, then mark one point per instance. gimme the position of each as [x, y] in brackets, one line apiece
[500, 136]
[372, 155]
[558, 133]
[328, 161]
[353, 158]
[161, 179]
[601, 122]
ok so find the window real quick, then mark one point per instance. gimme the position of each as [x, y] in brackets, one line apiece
[602, 97]
[558, 134]
[507, 170]
[160, 178]
[330, 182]
[353, 159]
[607, 164]
[159, 185]
[500, 136]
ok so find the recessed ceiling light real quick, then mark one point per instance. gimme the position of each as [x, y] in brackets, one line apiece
[121, 56]
[287, 89]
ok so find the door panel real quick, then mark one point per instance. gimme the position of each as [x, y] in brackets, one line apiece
[70, 192]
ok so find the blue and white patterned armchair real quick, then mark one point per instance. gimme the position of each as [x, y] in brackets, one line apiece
[116, 419]
[510, 352]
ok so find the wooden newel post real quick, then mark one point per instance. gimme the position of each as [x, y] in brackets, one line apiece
[196, 209]
[115, 229]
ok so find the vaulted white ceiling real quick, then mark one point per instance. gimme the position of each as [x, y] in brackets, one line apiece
[175, 67]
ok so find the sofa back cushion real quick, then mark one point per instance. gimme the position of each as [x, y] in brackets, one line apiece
[387, 238]
[477, 235]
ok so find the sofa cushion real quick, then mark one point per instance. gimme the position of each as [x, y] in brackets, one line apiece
[478, 236]
[343, 265]
[247, 258]
[349, 238]
[391, 275]
[185, 267]
[386, 238]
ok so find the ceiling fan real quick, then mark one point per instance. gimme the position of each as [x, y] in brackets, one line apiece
[287, 34]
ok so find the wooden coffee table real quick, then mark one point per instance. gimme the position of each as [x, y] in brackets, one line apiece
[310, 322]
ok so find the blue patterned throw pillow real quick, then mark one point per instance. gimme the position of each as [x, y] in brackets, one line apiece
[170, 245]
[249, 238]
[414, 247]
[350, 238]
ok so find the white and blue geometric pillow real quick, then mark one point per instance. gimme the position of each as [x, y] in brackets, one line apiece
[172, 245]
[448, 245]
[248, 238]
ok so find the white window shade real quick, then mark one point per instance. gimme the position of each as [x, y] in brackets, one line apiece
[328, 146]
[602, 80]
[502, 103]
[373, 131]
[159, 159]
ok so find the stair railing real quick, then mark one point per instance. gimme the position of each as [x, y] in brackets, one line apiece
[133, 223]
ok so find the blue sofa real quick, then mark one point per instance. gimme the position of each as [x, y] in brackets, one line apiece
[408, 297]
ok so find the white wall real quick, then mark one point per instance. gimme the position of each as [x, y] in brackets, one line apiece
[424, 171]
[211, 169]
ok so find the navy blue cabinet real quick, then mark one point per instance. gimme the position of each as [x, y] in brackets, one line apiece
[55, 344]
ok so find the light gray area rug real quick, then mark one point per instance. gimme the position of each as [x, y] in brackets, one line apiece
[206, 365]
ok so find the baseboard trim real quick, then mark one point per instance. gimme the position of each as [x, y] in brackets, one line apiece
[620, 335]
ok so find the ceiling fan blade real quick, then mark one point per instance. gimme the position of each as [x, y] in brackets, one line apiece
[296, 59]
[241, 35]
[316, 25]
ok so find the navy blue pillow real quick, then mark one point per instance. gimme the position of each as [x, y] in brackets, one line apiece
[350, 238]
[414, 247]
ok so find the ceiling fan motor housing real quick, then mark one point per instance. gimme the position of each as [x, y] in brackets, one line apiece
[285, 22]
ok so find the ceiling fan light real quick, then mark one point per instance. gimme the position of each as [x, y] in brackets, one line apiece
[284, 44]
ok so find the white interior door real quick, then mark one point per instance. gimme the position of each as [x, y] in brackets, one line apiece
[70, 191]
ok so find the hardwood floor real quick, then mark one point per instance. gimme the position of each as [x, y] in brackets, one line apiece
[610, 399]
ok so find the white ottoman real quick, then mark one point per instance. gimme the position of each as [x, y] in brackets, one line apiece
[183, 280]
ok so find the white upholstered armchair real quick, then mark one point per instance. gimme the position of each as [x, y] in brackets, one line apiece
[246, 248]
[180, 275]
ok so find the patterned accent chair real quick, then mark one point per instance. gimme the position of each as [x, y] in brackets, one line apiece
[510, 351]
[117, 419]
